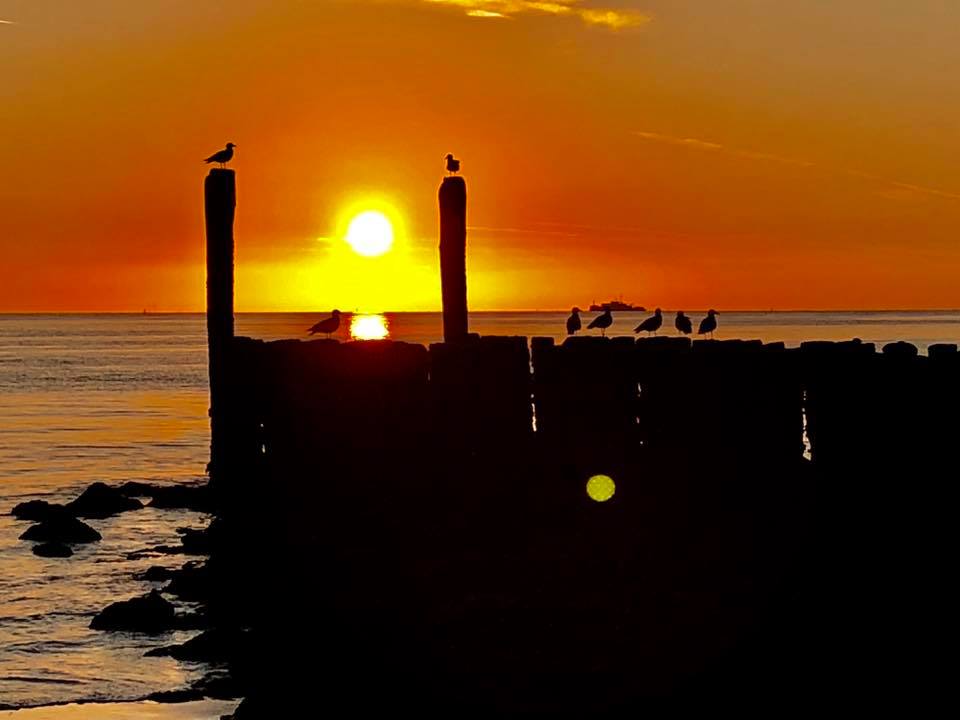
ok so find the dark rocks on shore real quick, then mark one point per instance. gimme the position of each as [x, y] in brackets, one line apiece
[61, 528]
[216, 645]
[101, 501]
[176, 696]
[219, 686]
[52, 550]
[37, 510]
[150, 613]
[192, 582]
[135, 488]
[196, 542]
[156, 573]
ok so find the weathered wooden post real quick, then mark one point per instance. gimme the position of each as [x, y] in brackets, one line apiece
[220, 199]
[453, 257]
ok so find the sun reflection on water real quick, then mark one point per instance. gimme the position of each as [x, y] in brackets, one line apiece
[369, 327]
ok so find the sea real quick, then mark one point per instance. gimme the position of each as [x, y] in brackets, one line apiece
[124, 397]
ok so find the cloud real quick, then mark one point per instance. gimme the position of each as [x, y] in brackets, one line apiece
[7, 22]
[899, 185]
[717, 147]
[610, 18]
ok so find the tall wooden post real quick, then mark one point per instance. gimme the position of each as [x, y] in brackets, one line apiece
[220, 199]
[453, 257]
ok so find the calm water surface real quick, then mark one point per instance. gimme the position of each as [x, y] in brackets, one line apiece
[124, 397]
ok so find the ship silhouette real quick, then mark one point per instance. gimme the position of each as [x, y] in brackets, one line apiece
[617, 305]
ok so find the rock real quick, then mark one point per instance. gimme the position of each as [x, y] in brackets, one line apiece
[215, 645]
[101, 501]
[37, 510]
[218, 686]
[191, 582]
[52, 550]
[134, 488]
[156, 573]
[149, 614]
[196, 542]
[176, 696]
[61, 528]
[186, 497]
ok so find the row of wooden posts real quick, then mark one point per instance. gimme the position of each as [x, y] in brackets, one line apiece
[589, 397]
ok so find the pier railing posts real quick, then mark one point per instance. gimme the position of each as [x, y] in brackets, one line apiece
[220, 199]
[453, 257]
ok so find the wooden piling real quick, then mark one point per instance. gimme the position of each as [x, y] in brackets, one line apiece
[220, 199]
[453, 257]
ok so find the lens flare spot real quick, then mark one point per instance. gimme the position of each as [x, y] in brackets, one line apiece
[369, 327]
[601, 488]
[370, 234]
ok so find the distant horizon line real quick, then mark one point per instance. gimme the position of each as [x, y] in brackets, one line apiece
[474, 312]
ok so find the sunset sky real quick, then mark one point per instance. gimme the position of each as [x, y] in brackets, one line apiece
[685, 153]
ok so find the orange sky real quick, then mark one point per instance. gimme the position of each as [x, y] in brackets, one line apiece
[684, 153]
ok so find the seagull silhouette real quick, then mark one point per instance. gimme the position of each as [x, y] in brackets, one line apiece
[652, 323]
[682, 323]
[453, 165]
[708, 324]
[573, 322]
[328, 326]
[602, 322]
[223, 156]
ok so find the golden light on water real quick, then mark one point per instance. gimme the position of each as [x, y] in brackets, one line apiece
[369, 327]
[370, 233]
[601, 488]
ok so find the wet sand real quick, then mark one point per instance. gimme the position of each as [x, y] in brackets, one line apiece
[199, 710]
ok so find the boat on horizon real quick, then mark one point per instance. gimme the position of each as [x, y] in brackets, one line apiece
[618, 305]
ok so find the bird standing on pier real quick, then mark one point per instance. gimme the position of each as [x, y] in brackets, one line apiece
[602, 322]
[652, 323]
[708, 324]
[573, 322]
[328, 326]
[453, 165]
[682, 323]
[223, 156]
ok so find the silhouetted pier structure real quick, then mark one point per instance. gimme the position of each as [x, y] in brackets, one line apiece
[417, 517]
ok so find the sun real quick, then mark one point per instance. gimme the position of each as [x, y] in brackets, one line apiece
[370, 234]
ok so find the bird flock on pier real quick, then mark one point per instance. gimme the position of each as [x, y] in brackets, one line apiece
[651, 325]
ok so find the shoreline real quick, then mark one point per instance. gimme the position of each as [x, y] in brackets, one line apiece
[136, 710]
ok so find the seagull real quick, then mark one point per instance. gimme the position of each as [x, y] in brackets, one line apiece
[708, 324]
[651, 324]
[683, 324]
[328, 326]
[453, 165]
[601, 322]
[573, 322]
[223, 156]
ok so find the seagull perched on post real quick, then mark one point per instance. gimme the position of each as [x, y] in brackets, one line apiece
[453, 165]
[223, 156]
[682, 323]
[652, 323]
[708, 324]
[573, 322]
[602, 322]
[328, 326]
